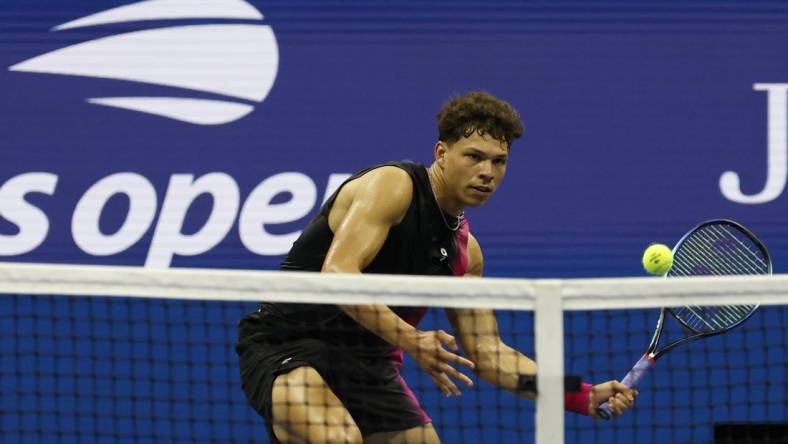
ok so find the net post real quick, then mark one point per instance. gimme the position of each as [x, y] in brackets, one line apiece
[549, 347]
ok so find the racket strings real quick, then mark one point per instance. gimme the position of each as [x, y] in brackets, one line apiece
[702, 253]
[713, 318]
[696, 320]
[701, 250]
[760, 263]
[690, 262]
[716, 250]
[743, 256]
[696, 258]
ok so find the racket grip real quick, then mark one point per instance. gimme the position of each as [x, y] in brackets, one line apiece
[630, 380]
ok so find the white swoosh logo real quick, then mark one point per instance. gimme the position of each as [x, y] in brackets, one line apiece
[234, 60]
[196, 111]
[168, 9]
[199, 57]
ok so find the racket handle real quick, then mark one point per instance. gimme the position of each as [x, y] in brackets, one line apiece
[630, 380]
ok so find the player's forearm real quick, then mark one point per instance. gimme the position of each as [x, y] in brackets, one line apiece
[378, 319]
[502, 365]
[382, 321]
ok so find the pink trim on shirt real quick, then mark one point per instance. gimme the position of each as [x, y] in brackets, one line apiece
[460, 264]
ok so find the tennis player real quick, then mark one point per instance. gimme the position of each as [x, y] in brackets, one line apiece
[327, 373]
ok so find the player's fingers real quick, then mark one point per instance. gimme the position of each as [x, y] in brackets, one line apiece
[446, 392]
[456, 374]
[447, 339]
[448, 356]
[619, 403]
[614, 406]
[622, 398]
[625, 399]
[445, 383]
[619, 387]
[611, 388]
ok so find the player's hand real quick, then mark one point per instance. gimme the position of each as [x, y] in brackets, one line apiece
[618, 396]
[427, 349]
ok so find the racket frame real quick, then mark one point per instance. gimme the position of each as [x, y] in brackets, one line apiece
[652, 354]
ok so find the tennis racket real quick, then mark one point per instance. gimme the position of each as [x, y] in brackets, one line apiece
[715, 247]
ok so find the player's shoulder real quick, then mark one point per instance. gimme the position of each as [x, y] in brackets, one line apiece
[394, 182]
[386, 191]
[390, 172]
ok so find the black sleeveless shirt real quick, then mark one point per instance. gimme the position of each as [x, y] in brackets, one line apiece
[421, 244]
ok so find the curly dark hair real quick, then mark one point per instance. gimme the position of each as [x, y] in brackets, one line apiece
[481, 112]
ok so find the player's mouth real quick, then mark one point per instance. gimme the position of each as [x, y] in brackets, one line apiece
[484, 190]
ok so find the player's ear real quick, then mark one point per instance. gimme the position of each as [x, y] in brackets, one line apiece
[440, 152]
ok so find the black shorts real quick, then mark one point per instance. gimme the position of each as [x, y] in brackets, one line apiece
[372, 390]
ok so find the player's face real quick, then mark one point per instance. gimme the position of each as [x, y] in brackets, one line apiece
[474, 167]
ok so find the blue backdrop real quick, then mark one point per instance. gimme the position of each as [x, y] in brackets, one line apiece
[157, 134]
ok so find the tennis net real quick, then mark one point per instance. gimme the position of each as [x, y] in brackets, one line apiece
[123, 354]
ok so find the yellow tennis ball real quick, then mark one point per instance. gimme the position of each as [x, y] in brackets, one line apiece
[657, 259]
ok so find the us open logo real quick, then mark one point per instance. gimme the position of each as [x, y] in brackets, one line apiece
[237, 62]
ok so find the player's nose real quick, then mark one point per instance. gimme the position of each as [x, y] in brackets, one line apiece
[486, 170]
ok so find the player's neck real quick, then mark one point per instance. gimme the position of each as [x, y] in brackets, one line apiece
[439, 190]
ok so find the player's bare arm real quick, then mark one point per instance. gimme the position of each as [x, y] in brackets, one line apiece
[477, 329]
[501, 365]
[364, 212]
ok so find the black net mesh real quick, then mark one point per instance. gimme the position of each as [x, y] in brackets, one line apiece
[118, 369]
